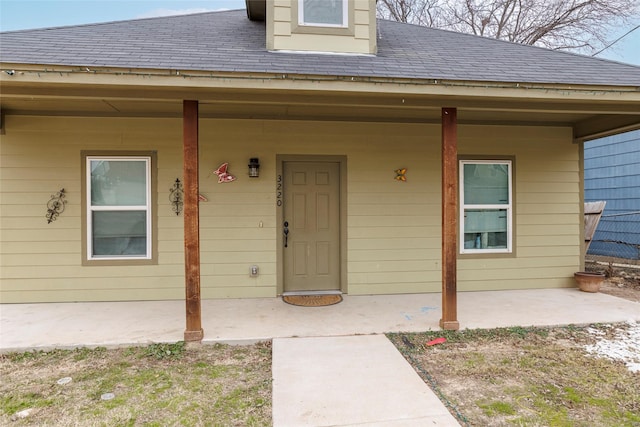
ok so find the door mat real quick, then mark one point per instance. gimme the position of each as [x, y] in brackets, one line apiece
[312, 300]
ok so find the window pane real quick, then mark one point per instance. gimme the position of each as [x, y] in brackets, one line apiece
[323, 12]
[486, 184]
[118, 183]
[120, 233]
[485, 228]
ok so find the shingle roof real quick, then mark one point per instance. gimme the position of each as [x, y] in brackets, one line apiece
[229, 42]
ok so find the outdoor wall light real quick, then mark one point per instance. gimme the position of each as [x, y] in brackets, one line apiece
[254, 167]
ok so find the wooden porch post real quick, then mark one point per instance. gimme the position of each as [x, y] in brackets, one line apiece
[193, 331]
[449, 218]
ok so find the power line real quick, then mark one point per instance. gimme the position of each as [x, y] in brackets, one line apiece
[616, 40]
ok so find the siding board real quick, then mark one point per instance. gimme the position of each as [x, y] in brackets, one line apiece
[612, 174]
[425, 255]
[499, 284]
[392, 232]
[405, 243]
[393, 277]
[124, 284]
[404, 288]
[394, 221]
[473, 275]
[389, 266]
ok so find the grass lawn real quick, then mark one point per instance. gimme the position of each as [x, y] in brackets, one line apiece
[158, 385]
[527, 376]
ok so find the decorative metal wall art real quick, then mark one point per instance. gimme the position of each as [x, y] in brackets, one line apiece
[223, 175]
[176, 197]
[400, 174]
[55, 206]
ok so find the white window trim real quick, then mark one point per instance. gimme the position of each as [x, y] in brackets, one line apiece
[508, 207]
[345, 17]
[90, 209]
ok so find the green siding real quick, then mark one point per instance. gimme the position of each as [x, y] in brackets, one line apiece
[393, 228]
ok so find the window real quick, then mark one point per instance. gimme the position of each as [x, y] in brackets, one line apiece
[324, 13]
[486, 206]
[118, 207]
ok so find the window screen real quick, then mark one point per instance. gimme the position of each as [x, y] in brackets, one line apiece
[118, 208]
[323, 12]
[485, 206]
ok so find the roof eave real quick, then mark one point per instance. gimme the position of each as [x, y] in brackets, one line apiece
[592, 111]
[43, 74]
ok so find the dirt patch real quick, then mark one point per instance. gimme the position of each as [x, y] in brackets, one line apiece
[620, 290]
[621, 281]
[162, 384]
[527, 376]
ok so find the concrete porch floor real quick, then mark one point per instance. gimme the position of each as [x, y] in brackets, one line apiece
[112, 324]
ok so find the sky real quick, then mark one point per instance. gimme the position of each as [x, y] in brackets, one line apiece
[28, 14]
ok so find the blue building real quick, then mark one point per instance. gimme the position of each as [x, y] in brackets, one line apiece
[612, 174]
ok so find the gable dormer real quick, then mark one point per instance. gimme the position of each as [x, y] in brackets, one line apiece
[330, 26]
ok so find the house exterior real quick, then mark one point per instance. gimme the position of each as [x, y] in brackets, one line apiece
[392, 158]
[612, 174]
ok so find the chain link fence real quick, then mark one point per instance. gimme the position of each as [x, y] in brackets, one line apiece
[617, 239]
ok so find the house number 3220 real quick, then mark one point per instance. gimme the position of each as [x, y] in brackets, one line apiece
[279, 190]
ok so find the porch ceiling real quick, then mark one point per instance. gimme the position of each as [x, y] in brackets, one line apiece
[588, 119]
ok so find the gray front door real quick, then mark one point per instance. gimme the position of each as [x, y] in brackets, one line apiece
[312, 222]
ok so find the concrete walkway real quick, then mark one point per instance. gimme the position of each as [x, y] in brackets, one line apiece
[328, 367]
[350, 381]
